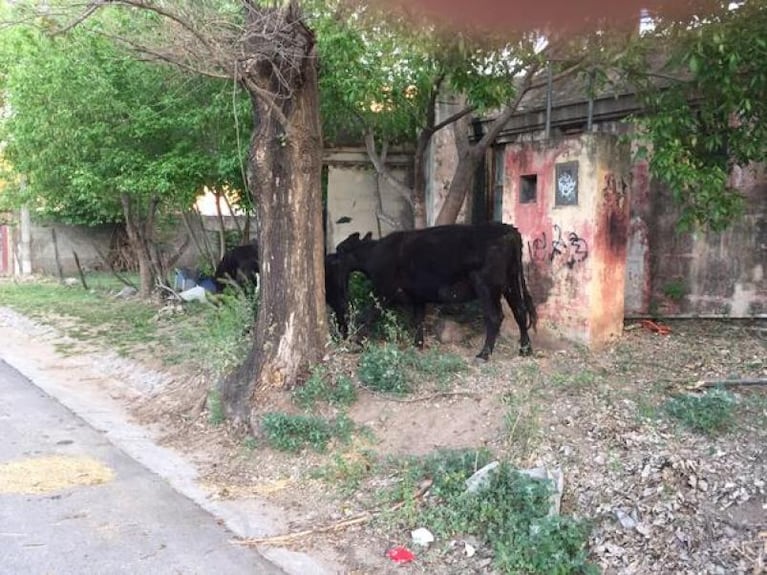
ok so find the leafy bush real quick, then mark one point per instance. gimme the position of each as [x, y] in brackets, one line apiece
[321, 387]
[294, 432]
[710, 413]
[382, 368]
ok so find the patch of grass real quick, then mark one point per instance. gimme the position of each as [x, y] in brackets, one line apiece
[292, 433]
[510, 514]
[212, 337]
[118, 323]
[521, 421]
[321, 386]
[386, 368]
[382, 368]
[711, 413]
[215, 408]
[347, 471]
[578, 380]
[438, 365]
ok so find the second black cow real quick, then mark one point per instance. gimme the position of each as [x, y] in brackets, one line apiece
[446, 264]
[240, 264]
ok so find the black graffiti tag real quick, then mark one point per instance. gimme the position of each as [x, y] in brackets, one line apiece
[572, 250]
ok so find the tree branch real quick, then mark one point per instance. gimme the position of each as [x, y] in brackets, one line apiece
[383, 171]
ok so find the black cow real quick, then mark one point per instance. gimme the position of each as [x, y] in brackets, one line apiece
[446, 264]
[241, 264]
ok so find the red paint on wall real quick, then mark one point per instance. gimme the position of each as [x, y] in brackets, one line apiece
[556, 256]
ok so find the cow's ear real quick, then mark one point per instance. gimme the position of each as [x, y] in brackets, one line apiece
[368, 236]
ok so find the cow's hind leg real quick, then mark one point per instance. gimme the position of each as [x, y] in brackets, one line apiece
[491, 309]
[513, 297]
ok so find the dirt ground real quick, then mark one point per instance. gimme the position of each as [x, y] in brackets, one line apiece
[662, 499]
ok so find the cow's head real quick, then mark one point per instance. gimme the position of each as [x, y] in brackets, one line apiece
[353, 242]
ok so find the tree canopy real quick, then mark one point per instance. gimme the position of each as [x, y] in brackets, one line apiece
[87, 122]
[705, 108]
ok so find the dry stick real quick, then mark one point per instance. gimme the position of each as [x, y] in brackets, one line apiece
[729, 382]
[343, 524]
[56, 254]
[108, 262]
[422, 398]
[80, 270]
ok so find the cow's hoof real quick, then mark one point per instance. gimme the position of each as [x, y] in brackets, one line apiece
[482, 357]
[526, 350]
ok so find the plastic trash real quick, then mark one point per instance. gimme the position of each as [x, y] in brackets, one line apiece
[400, 554]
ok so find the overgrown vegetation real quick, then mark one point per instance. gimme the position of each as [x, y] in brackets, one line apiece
[210, 337]
[711, 413]
[388, 369]
[510, 513]
[286, 432]
[322, 386]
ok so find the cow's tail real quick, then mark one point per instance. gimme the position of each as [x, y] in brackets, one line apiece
[532, 314]
[527, 299]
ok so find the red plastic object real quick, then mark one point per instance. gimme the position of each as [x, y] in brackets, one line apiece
[400, 555]
[658, 328]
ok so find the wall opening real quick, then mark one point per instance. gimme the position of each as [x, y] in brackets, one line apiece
[528, 189]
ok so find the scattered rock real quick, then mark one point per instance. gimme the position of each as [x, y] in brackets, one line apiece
[422, 537]
[126, 292]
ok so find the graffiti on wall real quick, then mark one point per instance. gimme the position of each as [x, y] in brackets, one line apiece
[567, 248]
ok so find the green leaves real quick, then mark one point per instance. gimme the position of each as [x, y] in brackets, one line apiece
[89, 122]
[698, 128]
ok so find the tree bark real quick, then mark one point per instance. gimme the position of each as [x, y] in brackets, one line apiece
[285, 167]
[135, 228]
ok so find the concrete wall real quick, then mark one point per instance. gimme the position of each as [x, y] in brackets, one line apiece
[698, 273]
[87, 242]
[576, 251]
[356, 196]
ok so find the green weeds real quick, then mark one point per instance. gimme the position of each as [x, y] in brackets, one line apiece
[293, 433]
[711, 413]
[510, 514]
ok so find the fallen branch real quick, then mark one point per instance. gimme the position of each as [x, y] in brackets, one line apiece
[729, 382]
[437, 395]
[336, 526]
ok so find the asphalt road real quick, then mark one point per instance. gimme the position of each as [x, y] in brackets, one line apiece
[109, 515]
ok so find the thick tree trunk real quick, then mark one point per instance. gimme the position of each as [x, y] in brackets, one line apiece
[285, 167]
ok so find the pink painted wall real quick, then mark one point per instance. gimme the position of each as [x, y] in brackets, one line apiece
[575, 254]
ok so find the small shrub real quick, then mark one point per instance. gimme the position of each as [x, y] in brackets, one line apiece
[382, 368]
[436, 364]
[709, 413]
[321, 387]
[294, 432]
[347, 471]
[675, 290]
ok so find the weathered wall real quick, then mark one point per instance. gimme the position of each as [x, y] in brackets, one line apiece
[87, 242]
[356, 196]
[703, 273]
[576, 248]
